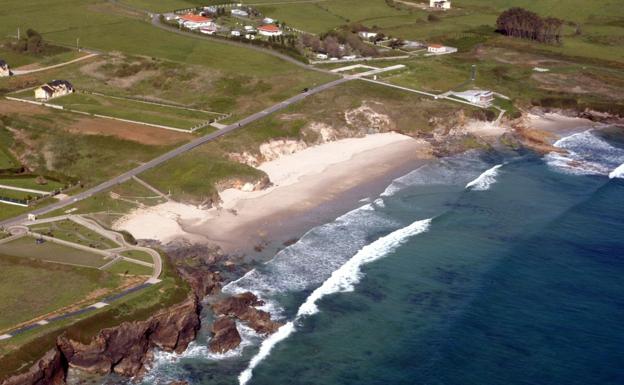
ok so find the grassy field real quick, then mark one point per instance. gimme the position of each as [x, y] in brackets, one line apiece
[134, 110]
[32, 288]
[139, 255]
[128, 268]
[26, 247]
[21, 351]
[31, 183]
[68, 230]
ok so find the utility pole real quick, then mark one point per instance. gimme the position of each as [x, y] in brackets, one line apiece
[473, 75]
[18, 33]
[78, 43]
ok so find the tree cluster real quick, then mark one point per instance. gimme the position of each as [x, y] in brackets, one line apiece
[31, 43]
[524, 24]
[336, 44]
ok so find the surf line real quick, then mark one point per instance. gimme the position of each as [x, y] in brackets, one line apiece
[485, 180]
[342, 280]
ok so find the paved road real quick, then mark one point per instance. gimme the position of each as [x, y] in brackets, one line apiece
[173, 153]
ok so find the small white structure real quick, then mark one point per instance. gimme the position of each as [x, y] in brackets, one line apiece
[349, 57]
[54, 89]
[441, 4]
[248, 28]
[439, 49]
[250, 36]
[171, 16]
[367, 35]
[268, 20]
[239, 13]
[235, 32]
[4, 69]
[540, 69]
[269, 30]
[480, 97]
[436, 48]
[192, 21]
[32, 217]
[321, 56]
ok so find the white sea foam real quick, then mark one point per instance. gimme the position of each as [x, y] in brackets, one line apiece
[618, 172]
[315, 256]
[485, 180]
[341, 280]
[586, 154]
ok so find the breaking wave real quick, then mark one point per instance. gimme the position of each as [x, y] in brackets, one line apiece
[585, 154]
[618, 172]
[485, 180]
[341, 280]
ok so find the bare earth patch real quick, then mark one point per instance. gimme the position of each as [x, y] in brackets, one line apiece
[10, 107]
[128, 131]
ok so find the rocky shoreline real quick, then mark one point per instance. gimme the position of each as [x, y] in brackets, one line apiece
[127, 348]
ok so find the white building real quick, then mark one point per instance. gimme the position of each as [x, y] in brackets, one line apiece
[268, 20]
[439, 49]
[54, 89]
[4, 69]
[209, 30]
[248, 28]
[239, 13]
[367, 35]
[235, 32]
[321, 56]
[442, 4]
[269, 30]
[480, 97]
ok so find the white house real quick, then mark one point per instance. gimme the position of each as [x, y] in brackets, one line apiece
[54, 89]
[480, 97]
[268, 20]
[248, 28]
[4, 69]
[436, 48]
[442, 4]
[321, 56]
[439, 49]
[235, 32]
[209, 30]
[192, 21]
[250, 36]
[367, 35]
[269, 30]
[239, 13]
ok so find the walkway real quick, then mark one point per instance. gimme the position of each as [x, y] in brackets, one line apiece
[26, 72]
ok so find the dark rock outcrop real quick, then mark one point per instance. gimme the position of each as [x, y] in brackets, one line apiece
[125, 349]
[242, 306]
[225, 336]
[49, 370]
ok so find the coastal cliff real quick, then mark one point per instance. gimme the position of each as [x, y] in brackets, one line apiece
[124, 349]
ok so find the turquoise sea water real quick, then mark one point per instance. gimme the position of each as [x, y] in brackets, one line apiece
[477, 269]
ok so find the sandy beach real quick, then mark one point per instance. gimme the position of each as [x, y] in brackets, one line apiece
[309, 187]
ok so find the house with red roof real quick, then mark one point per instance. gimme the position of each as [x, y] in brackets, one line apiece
[192, 21]
[269, 30]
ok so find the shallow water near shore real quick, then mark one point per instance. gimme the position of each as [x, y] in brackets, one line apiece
[468, 270]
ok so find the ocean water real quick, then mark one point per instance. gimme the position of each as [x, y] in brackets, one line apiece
[476, 269]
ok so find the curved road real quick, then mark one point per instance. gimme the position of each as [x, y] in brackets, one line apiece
[173, 153]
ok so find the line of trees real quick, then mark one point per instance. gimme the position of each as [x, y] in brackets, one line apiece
[524, 24]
